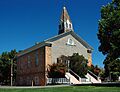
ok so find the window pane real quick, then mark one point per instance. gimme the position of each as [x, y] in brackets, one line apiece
[36, 58]
[70, 25]
[29, 61]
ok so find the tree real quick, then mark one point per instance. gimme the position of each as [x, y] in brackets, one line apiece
[95, 69]
[102, 74]
[78, 64]
[1, 64]
[6, 59]
[109, 30]
[114, 67]
[109, 34]
[5, 67]
[57, 70]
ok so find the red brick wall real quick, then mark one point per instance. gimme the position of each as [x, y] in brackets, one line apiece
[25, 72]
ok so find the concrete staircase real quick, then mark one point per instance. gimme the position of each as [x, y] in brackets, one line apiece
[90, 78]
[72, 79]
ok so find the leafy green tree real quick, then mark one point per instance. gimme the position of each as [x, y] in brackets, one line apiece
[109, 34]
[78, 64]
[96, 70]
[6, 59]
[1, 64]
[114, 67]
[102, 75]
[109, 29]
[5, 67]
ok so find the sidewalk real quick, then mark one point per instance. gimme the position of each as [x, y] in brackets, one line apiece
[17, 87]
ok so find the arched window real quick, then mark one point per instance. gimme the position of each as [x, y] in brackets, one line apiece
[70, 41]
[66, 25]
[69, 25]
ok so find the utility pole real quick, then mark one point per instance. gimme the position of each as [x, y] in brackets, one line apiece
[11, 71]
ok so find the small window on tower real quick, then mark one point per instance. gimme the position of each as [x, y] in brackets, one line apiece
[62, 25]
[66, 25]
[70, 25]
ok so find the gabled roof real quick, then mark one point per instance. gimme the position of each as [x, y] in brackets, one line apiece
[34, 47]
[74, 35]
[50, 40]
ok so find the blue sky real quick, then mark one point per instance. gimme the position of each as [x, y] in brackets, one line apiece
[24, 22]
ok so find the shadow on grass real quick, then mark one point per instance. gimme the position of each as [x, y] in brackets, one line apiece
[100, 84]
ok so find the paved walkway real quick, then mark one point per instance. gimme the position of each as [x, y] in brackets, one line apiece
[49, 86]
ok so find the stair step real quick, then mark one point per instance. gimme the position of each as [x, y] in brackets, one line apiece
[73, 80]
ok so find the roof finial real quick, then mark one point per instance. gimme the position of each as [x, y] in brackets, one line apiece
[64, 7]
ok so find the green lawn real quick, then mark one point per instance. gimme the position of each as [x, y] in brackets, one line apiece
[66, 89]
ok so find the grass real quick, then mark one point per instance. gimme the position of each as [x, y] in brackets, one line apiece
[65, 89]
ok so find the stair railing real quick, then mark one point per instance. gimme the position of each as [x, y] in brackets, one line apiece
[75, 75]
[93, 75]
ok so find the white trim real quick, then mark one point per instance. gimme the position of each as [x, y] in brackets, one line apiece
[49, 42]
[70, 42]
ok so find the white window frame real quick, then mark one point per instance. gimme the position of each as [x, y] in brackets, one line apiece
[70, 42]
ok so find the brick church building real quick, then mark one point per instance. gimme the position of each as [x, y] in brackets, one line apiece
[32, 63]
